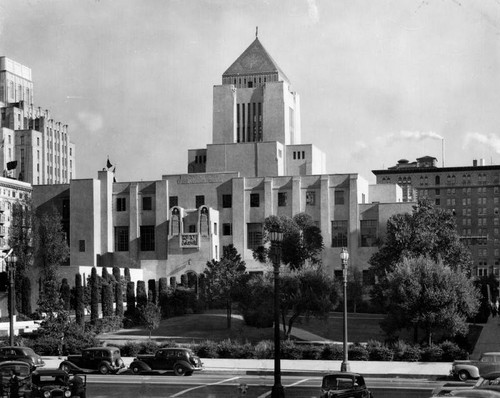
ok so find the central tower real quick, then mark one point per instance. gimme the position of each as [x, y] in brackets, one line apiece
[254, 102]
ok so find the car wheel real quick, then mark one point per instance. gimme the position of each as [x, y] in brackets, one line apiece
[65, 367]
[103, 369]
[179, 370]
[463, 375]
[136, 369]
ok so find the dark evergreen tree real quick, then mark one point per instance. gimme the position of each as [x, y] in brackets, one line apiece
[107, 299]
[152, 298]
[116, 273]
[79, 304]
[118, 298]
[142, 297]
[66, 294]
[94, 296]
[26, 297]
[163, 296]
[127, 274]
[105, 274]
[130, 299]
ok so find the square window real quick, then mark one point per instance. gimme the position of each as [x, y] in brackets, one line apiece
[173, 201]
[282, 199]
[227, 201]
[147, 203]
[310, 198]
[200, 200]
[254, 200]
[227, 229]
[121, 204]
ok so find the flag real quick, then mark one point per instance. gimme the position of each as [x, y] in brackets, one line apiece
[108, 164]
[11, 165]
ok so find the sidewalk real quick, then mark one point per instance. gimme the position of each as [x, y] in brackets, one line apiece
[489, 339]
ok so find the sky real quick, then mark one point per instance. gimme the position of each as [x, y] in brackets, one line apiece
[379, 80]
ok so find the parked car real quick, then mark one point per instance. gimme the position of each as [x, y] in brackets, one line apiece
[101, 359]
[488, 382]
[23, 372]
[25, 354]
[344, 385]
[182, 361]
[487, 363]
[47, 383]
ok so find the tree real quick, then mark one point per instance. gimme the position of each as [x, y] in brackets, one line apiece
[107, 298]
[255, 301]
[94, 296]
[142, 296]
[302, 241]
[305, 293]
[130, 299]
[152, 291]
[26, 296]
[79, 304]
[428, 231]
[21, 241]
[163, 296]
[119, 298]
[150, 315]
[223, 277]
[66, 294]
[429, 295]
[51, 245]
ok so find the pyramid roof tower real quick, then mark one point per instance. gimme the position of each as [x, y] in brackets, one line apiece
[255, 60]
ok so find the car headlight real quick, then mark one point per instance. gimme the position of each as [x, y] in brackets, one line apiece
[46, 394]
[67, 393]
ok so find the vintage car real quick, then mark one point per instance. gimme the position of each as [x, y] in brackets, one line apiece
[485, 384]
[182, 361]
[25, 354]
[344, 385]
[49, 383]
[101, 359]
[22, 370]
[488, 362]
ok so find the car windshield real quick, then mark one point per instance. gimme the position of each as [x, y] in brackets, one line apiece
[28, 351]
[45, 380]
[338, 382]
[21, 370]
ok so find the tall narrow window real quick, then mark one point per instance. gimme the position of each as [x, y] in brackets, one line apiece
[368, 232]
[121, 239]
[121, 204]
[339, 233]
[200, 200]
[147, 238]
[254, 200]
[254, 235]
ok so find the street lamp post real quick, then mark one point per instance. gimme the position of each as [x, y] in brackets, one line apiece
[276, 239]
[11, 267]
[344, 257]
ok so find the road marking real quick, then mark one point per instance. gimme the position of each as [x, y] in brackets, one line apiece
[203, 385]
[266, 394]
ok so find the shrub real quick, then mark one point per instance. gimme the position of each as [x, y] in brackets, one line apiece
[108, 324]
[358, 353]
[310, 351]
[290, 350]
[207, 349]
[380, 353]
[432, 353]
[331, 352]
[451, 351]
[130, 349]
[148, 347]
[264, 349]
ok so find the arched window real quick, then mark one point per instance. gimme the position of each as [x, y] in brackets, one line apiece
[204, 222]
[175, 221]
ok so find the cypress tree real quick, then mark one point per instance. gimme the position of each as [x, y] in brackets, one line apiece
[118, 299]
[163, 296]
[26, 297]
[127, 274]
[65, 294]
[105, 274]
[79, 305]
[130, 299]
[107, 299]
[142, 298]
[94, 297]
[152, 298]
[116, 273]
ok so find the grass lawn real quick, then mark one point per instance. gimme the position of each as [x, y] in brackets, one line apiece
[213, 326]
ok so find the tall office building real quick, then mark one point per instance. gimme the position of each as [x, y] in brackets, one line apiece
[35, 148]
[472, 193]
